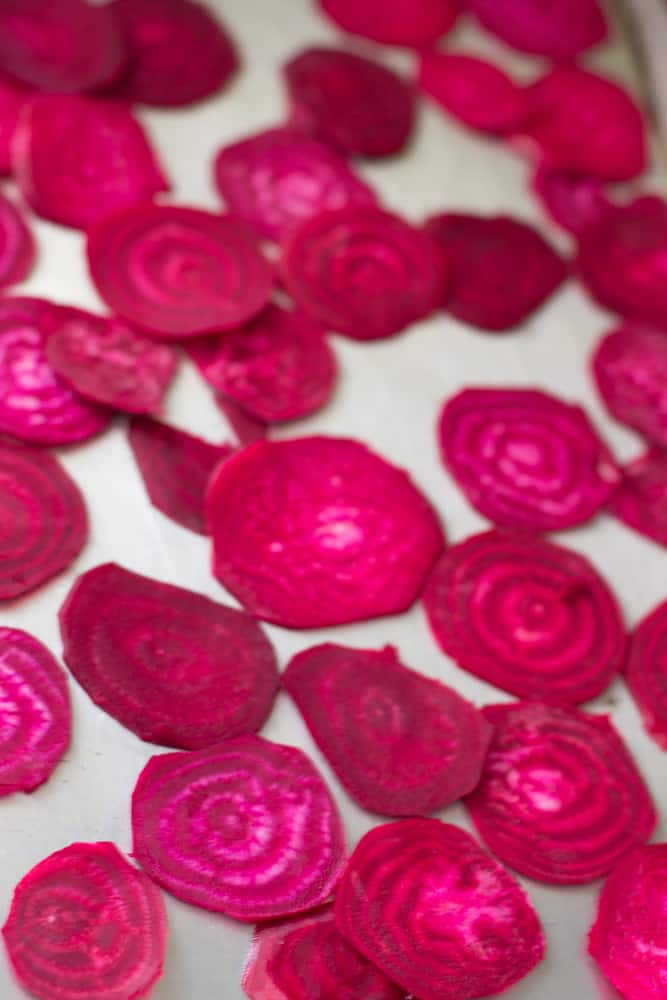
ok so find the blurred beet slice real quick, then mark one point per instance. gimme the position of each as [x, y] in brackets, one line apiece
[641, 498]
[12, 99]
[558, 31]
[574, 201]
[86, 923]
[246, 428]
[646, 672]
[475, 91]
[413, 23]
[17, 247]
[247, 828]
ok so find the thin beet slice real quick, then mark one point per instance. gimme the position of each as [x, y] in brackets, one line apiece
[86, 923]
[574, 201]
[412, 23]
[440, 917]
[246, 428]
[12, 99]
[247, 828]
[172, 666]
[560, 799]
[17, 247]
[473, 90]
[318, 531]
[358, 105]
[500, 270]
[402, 744]
[641, 498]
[646, 672]
[178, 272]
[363, 272]
[525, 459]
[558, 30]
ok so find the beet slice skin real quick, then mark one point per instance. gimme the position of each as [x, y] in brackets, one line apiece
[17, 246]
[354, 541]
[641, 498]
[246, 428]
[86, 923]
[440, 917]
[572, 200]
[170, 665]
[246, 828]
[525, 459]
[411, 23]
[559, 30]
[12, 99]
[646, 672]
[475, 91]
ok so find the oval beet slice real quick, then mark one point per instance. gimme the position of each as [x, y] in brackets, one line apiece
[247, 828]
[646, 672]
[475, 91]
[560, 799]
[86, 923]
[574, 201]
[413, 23]
[558, 31]
[12, 99]
[178, 272]
[440, 917]
[173, 666]
[401, 744]
[641, 498]
[358, 105]
[525, 459]
[17, 247]
[318, 531]
[245, 427]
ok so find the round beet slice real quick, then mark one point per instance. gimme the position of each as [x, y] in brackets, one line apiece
[531, 617]
[560, 799]
[412, 23]
[247, 828]
[358, 105]
[172, 666]
[319, 531]
[641, 498]
[574, 201]
[646, 672]
[440, 917]
[476, 92]
[12, 99]
[86, 923]
[525, 459]
[17, 247]
[178, 272]
[558, 31]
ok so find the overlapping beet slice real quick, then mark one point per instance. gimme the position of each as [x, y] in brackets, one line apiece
[17, 247]
[641, 498]
[646, 672]
[247, 828]
[559, 30]
[86, 923]
[573, 200]
[475, 91]
[630, 370]
[413, 23]
[12, 99]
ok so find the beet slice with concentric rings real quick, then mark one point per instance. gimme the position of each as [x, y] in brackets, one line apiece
[246, 428]
[646, 672]
[572, 200]
[558, 31]
[525, 459]
[319, 531]
[401, 744]
[412, 23]
[13, 97]
[439, 916]
[86, 923]
[560, 798]
[641, 498]
[475, 91]
[171, 665]
[247, 828]
[531, 617]
[17, 247]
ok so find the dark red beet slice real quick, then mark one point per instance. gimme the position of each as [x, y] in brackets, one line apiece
[440, 917]
[500, 270]
[17, 247]
[171, 665]
[245, 427]
[413, 23]
[318, 531]
[359, 105]
[401, 744]
[641, 498]
[12, 99]
[560, 799]
[86, 923]
[526, 459]
[247, 828]
[574, 201]
[178, 272]
[646, 672]
[473, 90]
[558, 30]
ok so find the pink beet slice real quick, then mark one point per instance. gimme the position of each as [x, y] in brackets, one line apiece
[574, 201]
[500, 270]
[363, 272]
[246, 428]
[476, 92]
[558, 31]
[641, 498]
[247, 828]
[178, 272]
[319, 531]
[646, 672]
[440, 917]
[17, 247]
[12, 99]
[172, 666]
[525, 459]
[412, 23]
[358, 105]
[402, 744]
[560, 799]
[86, 923]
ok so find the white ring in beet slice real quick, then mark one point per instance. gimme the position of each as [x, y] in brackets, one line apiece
[319, 531]
[171, 665]
[439, 916]
[84, 923]
[247, 828]
[646, 672]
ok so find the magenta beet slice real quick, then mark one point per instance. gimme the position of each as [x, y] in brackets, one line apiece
[358, 105]
[560, 799]
[412, 23]
[574, 201]
[178, 272]
[318, 531]
[17, 247]
[246, 428]
[476, 92]
[500, 270]
[440, 917]
[247, 828]
[646, 672]
[525, 459]
[12, 99]
[401, 744]
[173, 666]
[641, 498]
[86, 923]
[557, 30]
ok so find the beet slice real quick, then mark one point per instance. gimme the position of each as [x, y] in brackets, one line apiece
[17, 247]
[641, 498]
[574, 201]
[319, 531]
[401, 744]
[440, 917]
[525, 459]
[557, 30]
[178, 272]
[12, 99]
[246, 427]
[358, 105]
[500, 270]
[86, 923]
[171, 665]
[646, 672]
[473, 90]
[412, 23]
[247, 828]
